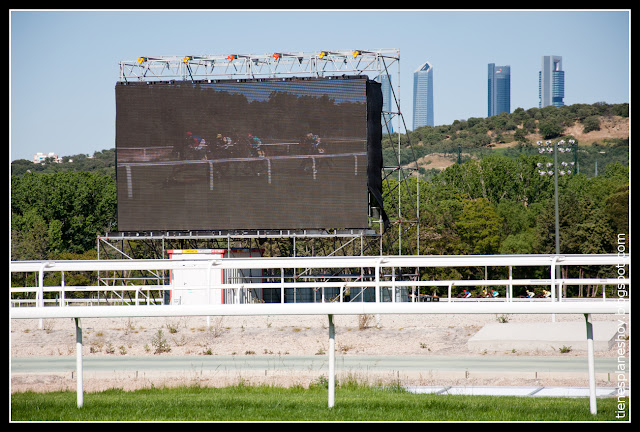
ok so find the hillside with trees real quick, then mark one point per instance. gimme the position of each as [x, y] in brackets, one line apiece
[601, 131]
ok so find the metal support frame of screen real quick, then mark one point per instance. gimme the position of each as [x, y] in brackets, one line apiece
[248, 154]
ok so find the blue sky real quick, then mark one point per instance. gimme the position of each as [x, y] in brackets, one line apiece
[64, 63]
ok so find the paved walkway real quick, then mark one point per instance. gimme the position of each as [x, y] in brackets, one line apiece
[312, 363]
[469, 366]
[516, 391]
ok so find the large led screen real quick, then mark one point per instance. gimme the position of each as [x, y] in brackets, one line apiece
[247, 154]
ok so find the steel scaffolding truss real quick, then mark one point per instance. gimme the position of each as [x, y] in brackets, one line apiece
[255, 66]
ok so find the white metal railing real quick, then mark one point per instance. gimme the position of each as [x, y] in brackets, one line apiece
[555, 306]
[374, 280]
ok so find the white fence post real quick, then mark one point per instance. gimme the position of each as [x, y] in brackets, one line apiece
[79, 370]
[553, 283]
[332, 362]
[591, 360]
[40, 294]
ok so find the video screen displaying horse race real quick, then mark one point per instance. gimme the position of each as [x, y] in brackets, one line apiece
[247, 154]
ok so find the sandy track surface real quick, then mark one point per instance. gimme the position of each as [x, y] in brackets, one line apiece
[383, 335]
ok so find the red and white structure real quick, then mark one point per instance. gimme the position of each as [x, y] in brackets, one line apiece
[194, 286]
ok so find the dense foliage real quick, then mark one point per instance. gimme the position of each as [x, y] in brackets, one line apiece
[60, 212]
[500, 205]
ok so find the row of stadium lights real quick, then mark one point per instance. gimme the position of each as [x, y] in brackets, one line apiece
[276, 56]
[547, 147]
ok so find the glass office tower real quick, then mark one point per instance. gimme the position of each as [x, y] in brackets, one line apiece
[551, 82]
[423, 96]
[499, 89]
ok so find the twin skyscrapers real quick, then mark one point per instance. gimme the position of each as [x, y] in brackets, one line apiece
[550, 85]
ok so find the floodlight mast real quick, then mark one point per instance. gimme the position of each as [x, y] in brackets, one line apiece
[253, 66]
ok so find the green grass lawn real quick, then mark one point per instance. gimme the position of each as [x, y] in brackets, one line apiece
[263, 403]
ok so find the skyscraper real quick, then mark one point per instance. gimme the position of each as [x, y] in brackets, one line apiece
[423, 96]
[551, 82]
[499, 89]
[387, 103]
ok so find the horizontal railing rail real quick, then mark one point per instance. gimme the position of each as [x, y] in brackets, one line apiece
[325, 262]
[355, 308]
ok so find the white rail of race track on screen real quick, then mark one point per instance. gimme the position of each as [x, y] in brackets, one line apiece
[127, 165]
[242, 159]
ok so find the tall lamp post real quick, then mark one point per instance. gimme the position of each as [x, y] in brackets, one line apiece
[553, 169]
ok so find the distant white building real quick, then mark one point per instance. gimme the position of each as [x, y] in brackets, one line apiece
[41, 157]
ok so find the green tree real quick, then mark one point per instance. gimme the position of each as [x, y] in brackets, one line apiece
[535, 188]
[515, 216]
[29, 236]
[500, 179]
[591, 123]
[550, 128]
[62, 211]
[616, 209]
[465, 178]
[518, 243]
[520, 135]
[479, 227]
